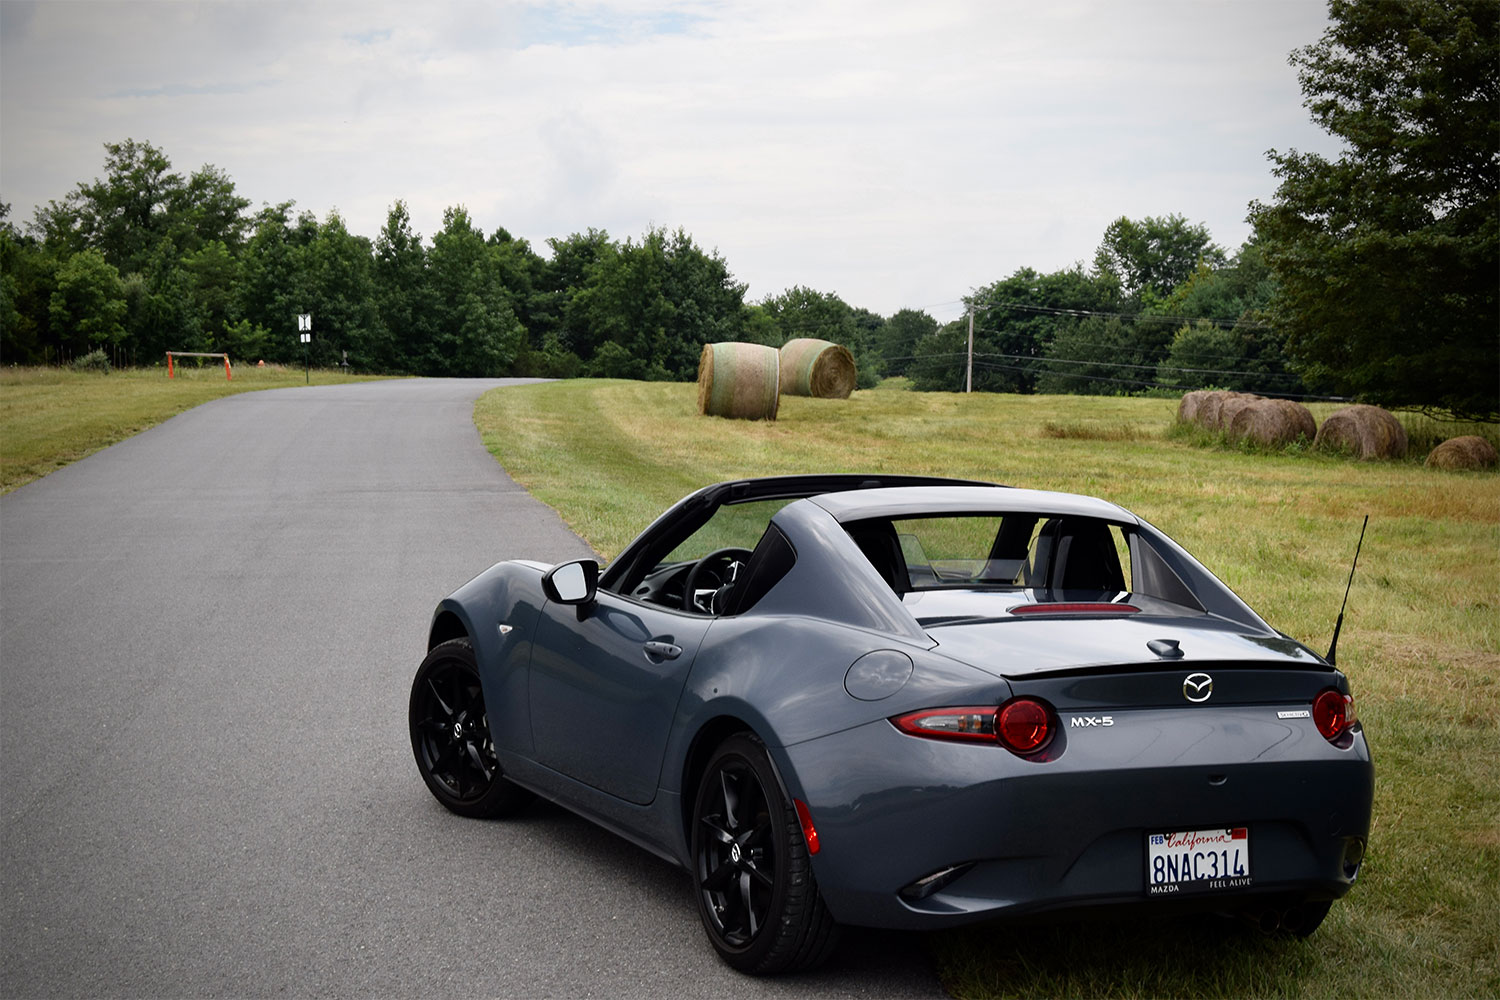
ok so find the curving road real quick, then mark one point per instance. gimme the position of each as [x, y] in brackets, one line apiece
[207, 634]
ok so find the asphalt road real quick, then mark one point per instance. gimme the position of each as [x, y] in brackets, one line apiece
[207, 638]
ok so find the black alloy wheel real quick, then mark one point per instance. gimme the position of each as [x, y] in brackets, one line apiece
[756, 893]
[450, 735]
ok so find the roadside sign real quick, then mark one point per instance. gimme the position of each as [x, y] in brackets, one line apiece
[304, 322]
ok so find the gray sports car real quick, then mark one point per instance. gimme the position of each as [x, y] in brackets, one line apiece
[904, 702]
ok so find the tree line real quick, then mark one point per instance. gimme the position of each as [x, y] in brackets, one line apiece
[1372, 276]
[145, 260]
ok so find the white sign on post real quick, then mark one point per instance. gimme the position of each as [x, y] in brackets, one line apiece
[304, 322]
[307, 338]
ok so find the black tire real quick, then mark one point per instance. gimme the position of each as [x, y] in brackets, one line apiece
[756, 893]
[450, 735]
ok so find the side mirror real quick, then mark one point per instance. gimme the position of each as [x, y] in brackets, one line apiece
[572, 582]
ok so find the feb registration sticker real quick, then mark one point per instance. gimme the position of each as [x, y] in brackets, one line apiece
[1197, 861]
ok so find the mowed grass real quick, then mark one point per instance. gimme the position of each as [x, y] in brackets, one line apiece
[52, 416]
[1421, 641]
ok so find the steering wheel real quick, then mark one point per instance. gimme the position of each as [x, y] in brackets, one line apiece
[710, 578]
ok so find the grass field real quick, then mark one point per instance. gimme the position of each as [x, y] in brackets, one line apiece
[52, 416]
[1421, 642]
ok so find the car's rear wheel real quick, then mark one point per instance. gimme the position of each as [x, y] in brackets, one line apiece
[450, 735]
[756, 892]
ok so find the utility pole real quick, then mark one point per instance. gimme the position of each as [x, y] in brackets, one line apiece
[969, 372]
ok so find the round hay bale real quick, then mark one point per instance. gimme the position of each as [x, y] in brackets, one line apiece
[1232, 404]
[739, 380]
[1273, 422]
[1211, 407]
[1367, 431]
[1468, 452]
[1187, 410]
[817, 368]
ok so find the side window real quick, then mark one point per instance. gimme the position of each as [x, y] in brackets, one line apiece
[951, 551]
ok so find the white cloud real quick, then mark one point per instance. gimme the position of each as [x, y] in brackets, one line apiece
[899, 154]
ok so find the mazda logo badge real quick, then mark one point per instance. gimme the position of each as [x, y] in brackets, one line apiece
[1197, 687]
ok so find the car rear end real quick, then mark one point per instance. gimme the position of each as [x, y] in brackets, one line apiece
[1233, 784]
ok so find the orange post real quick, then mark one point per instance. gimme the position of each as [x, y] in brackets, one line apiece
[227, 376]
[169, 364]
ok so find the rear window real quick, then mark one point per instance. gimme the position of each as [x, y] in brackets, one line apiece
[1009, 550]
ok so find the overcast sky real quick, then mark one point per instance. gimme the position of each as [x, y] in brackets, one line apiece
[899, 154]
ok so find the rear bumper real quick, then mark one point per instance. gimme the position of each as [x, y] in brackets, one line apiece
[1017, 837]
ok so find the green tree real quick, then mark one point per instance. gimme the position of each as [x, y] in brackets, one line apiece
[403, 295]
[476, 332]
[88, 307]
[938, 360]
[206, 210]
[1015, 320]
[1150, 257]
[209, 279]
[623, 310]
[1238, 290]
[1386, 257]
[805, 312]
[275, 282]
[758, 326]
[557, 309]
[1103, 356]
[522, 272]
[898, 339]
[707, 303]
[28, 277]
[658, 301]
[123, 215]
[341, 288]
[139, 202]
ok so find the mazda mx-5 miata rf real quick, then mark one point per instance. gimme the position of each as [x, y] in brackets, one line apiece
[903, 702]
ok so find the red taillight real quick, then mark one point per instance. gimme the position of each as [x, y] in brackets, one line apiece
[809, 833]
[1333, 714]
[1023, 725]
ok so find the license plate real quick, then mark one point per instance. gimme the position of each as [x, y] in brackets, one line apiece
[1197, 861]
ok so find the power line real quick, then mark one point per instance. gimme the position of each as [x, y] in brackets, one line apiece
[1163, 352]
[1138, 317]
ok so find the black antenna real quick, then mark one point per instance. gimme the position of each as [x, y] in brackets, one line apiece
[1334, 645]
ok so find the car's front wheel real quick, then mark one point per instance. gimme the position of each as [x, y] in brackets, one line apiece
[756, 892]
[450, 735]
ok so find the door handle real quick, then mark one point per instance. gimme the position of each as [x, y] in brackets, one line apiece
[663, 650]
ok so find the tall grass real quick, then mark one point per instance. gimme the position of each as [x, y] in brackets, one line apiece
[1421, 641]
